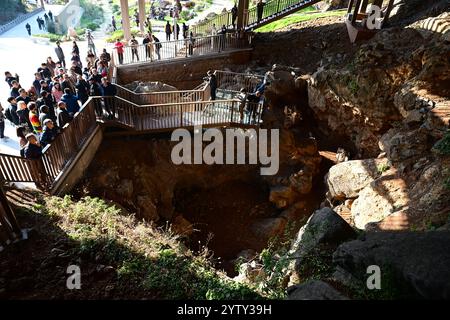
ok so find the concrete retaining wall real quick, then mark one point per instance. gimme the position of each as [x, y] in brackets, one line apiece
[18, 20]
[69, 17]
[184, 74]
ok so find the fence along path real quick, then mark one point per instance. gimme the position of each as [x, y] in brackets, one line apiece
[273, 10]
[182, 48]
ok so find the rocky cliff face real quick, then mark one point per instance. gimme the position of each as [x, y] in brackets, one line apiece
[392, 101]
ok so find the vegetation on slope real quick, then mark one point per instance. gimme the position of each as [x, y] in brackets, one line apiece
[10, 9]
[304, 15]
[130, 258]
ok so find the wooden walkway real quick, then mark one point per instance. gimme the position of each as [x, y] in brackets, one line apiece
[124, 114]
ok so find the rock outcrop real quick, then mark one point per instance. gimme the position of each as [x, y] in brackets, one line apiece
[409, 260]
[324, 227]
[314, 290]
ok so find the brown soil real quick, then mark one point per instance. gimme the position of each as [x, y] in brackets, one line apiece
[36, 268]
[309, 43]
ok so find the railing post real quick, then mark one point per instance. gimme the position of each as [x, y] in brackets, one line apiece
[232, 110]
[181, 115]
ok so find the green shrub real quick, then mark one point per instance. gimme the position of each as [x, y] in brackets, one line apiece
[92, 26]
[383, 167]
[118, 35]
[92, 15]
[51, 36]
[443, 145]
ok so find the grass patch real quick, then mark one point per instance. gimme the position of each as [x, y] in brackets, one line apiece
[300, 16]
[92, 17]
[51, 36]
[119, 35]
[145, 258]
[443, 145]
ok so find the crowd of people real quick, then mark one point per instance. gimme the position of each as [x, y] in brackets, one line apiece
[41, 111]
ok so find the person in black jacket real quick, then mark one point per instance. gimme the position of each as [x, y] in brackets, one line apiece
[82, 88]
[11, 111]
[63, 115]
[48, 100]
[260, 9]
[109, 90]
[212, 81]
[33, 149]
[43, 114]
[49, 133]
[23, 114]
[44, 71]
[9, 78]
[15, 87]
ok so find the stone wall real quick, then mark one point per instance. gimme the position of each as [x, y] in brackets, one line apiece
[69, 17]
[184, 74]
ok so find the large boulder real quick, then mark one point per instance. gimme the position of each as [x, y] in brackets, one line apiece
[323, 227]
[314, 290]
[416, 260]
[347, 179]
[379, 199]
[405, 145]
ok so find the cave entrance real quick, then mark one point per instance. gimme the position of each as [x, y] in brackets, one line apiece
[225, 218]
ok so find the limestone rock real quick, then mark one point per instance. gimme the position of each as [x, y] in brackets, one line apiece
[347, 179]
[323, 227]
[269, 226]
[282, 196]
[417, 259]
[147, 208]
[182, 226]
[314, 290]
[400, 144]
[379, 199]
[125, 188]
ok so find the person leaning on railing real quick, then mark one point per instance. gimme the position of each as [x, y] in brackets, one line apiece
[134, 44]
[158, 46]
[33, 149]
[109, 90]
[119, 48]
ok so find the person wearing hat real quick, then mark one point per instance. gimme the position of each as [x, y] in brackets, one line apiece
[33, 149]
[62, 116]
[49, 133]
[212, 81]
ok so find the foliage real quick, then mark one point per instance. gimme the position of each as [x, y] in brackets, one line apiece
[144, 257]
[353, 86]
[300, 16]
[51, 36]
[383, 167]
[10, 9]
[92, 16]
[443, 145]
[119, 35]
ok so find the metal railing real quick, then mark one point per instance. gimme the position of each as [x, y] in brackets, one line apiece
[205, 27]
[139, 111]
[169, 50]
[271, 10]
